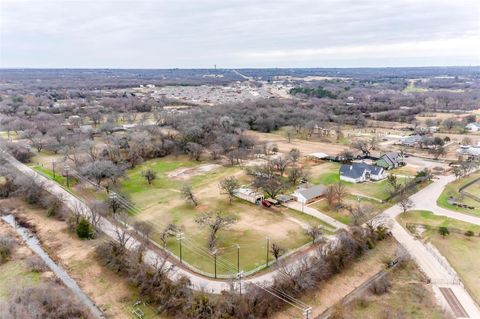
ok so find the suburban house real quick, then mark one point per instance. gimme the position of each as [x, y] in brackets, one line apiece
[471, 152]
[390, 160]
[248, 194]
[361, 172]
[311, 194]
[411, 140]
[474, 127]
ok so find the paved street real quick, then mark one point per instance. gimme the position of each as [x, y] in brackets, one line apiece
[315, 213]
[427, 261]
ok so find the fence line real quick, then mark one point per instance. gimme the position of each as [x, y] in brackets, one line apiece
[220, 260]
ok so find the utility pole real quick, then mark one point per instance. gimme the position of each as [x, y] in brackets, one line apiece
[307, 313]
[66, 167]
[268, 248]
[215, 261]
[180, 236]
[239, 278]
[53, 168]
[238, 258]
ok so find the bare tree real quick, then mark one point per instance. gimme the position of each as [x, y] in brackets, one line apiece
[272, 185]
[228, 186]
[150, 175]
[335, 194]
[187, 193]
[97, 210]
[405, 202]
[280, 164]
[294, 155]
[392, 180]
[296, 174]
[362, 145]
[315, 232]
[277, 251]
[169, 231]
[215, 222]
[360, 213]
[122, 237]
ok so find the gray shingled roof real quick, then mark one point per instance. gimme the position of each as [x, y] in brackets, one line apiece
[312, 192]
[356, 170]
[391, 157]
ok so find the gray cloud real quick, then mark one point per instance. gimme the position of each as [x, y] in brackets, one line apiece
[238, 33]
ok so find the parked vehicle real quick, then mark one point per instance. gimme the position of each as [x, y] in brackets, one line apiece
[266, 203]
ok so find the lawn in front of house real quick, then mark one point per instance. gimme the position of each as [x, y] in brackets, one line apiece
[462, 252]
[452, 190]
[343, 215]
[328, 173]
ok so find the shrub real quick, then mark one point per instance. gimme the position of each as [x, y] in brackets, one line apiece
[6, 247]
[36, 264]
[85, 229]
[43, 301]
[20, 151]
[443, 231]
[380, 286]
[469, 233]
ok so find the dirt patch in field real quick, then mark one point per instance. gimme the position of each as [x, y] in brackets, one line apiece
[305, 147]
[187, 172]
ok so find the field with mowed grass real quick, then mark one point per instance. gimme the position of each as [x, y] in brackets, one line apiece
[461, 251]
[452, 190]
[161, 203]
[343, 215]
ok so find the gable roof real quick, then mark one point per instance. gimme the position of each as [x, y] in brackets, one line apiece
[312, 192]
[391, 158]
[474, 124]
[412, 139]
[356, 170]
[318, 155]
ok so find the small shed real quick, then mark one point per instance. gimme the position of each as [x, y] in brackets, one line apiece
[318, 156]
[249, 195]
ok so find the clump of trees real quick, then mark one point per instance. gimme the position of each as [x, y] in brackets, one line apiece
[47, 300]
[178, 300]
[318, 92]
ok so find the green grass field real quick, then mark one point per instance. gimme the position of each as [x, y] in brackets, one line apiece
[161, 204]
[342, 215]
[462, 252]
[13, 274]
[452, 190]
[62, 180]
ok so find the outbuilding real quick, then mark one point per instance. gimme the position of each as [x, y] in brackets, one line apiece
[249, 195]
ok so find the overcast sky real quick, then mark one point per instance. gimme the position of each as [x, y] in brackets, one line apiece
[238, 33]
